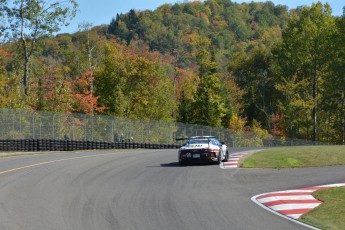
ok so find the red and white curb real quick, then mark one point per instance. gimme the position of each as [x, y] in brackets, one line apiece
[291, 204]
[232, 162]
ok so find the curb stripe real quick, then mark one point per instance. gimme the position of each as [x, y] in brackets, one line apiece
[287, 193]
[268, 199]
[293, 207]
[295, 211]
[277, 202]
[232, 162]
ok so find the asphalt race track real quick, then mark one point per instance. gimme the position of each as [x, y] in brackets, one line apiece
[142, 190]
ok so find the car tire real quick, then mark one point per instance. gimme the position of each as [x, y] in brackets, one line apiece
[219, 158]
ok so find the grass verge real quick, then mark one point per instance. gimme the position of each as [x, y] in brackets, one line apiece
[330, 215]
[295, 157]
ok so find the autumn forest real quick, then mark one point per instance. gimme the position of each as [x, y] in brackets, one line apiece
[241, 66]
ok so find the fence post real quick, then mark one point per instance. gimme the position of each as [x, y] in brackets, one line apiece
[73, 129]
[13, 129]
[112, 130]
[20, 125]
[168, 131]
[33, 125]
[85, 124]
[92, 127]
[149, 133]
[142, 131]
[157, 132]
[234, 140]
[40, 127]
[131, 136]
[126, 132]
[1, 126]
[53, 129]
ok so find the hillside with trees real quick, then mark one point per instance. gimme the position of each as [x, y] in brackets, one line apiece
[242, 66]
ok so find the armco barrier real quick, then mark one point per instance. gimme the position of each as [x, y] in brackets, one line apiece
[71, 145]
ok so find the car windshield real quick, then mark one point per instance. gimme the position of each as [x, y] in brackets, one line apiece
[215, 141]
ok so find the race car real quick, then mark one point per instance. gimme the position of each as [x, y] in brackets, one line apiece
[202, 149]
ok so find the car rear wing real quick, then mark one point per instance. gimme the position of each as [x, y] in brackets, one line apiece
[190, 138]
[194, 137]
[182, 139]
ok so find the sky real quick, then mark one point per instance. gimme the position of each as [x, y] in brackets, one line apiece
[102, 11]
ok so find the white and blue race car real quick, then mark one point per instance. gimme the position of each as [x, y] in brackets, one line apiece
[202, 149]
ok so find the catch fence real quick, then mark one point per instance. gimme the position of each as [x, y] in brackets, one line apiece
[39, 125]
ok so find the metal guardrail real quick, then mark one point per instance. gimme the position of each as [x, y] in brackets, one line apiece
[21, 124]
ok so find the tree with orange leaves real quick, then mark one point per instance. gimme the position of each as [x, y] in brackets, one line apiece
[55, 92]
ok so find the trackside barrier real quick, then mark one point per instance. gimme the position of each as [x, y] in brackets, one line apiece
[26, 145]
[69, 130]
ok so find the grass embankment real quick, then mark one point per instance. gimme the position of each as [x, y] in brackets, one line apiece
[330, 215]
[295, 157]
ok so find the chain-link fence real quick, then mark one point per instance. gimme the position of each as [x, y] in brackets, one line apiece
[20, 124]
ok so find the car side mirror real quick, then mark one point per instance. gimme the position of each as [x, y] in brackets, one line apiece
[223, 143]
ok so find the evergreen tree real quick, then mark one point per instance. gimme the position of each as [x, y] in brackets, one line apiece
[184, 109]
[207, 108]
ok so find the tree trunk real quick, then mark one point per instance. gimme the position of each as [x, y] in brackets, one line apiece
[315, 107]
[26, 73]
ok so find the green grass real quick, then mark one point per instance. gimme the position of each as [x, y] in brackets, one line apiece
[295, 157]
[330, 215]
